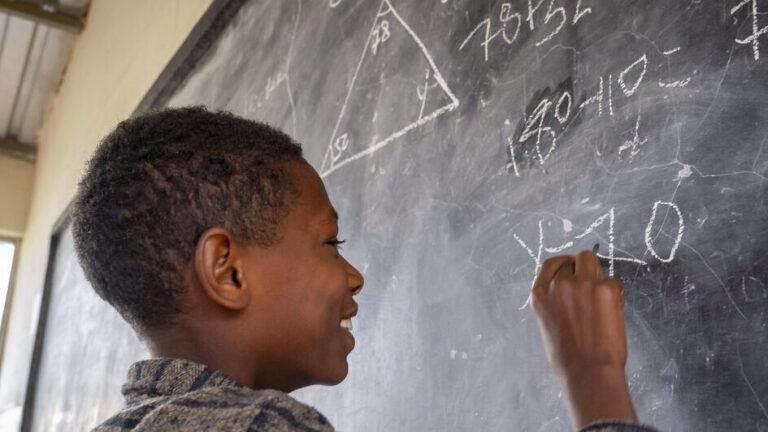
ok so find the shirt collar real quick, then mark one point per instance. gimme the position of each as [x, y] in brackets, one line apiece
[166, 377]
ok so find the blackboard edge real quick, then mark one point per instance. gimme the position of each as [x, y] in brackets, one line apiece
[59, 227]
[204, 34]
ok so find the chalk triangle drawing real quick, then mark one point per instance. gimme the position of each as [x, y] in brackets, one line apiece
[390, 63]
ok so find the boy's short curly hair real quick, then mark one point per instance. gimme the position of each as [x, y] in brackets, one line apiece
[160, 180]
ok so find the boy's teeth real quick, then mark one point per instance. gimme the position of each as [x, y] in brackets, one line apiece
[347, 324]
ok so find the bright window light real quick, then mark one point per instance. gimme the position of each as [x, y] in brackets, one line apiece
[6, 263]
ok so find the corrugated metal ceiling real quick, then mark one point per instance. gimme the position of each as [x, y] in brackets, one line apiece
[34, 49]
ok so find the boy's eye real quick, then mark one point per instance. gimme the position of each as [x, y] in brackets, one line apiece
[336, 243]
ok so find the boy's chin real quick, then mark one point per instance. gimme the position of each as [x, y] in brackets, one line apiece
[335, 376]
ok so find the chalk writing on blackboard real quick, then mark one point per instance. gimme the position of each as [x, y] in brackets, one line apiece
[379, 35]
[640, 64]
[602, 228]
[677, 83]
[423, 90]
[752, 39]
[509, 18]
[649, 230]
[543, 133]
[340, 151]
[634, 145]
[282, 78]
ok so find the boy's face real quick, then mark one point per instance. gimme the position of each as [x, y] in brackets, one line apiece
[303, 290]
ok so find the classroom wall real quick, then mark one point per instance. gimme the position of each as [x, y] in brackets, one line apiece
[123, 48]
[16, 180]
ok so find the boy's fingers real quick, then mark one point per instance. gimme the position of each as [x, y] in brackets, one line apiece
[616, 283]
[550, 268]
[588, 266]
[565, 271]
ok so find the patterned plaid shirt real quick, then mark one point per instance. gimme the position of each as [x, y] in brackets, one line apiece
[179, 395]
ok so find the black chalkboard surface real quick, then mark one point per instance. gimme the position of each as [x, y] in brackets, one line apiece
[82, 361]
[465, 142]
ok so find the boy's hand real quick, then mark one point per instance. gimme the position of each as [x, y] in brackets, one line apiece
[582, 324]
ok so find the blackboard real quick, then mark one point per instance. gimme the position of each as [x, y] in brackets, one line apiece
[83, 358]
[464, 142]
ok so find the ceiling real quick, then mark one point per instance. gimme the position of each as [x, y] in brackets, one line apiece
[35, 41]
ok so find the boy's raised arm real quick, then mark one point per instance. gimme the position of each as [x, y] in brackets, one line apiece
[580, 315]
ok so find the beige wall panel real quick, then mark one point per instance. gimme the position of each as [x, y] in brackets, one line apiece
[16, 181]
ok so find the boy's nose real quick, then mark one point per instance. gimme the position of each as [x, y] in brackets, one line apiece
[355, 279]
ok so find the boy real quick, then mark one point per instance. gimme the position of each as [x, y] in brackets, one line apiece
[217, 242]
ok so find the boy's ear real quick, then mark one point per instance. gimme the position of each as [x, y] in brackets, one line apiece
[219, 268]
